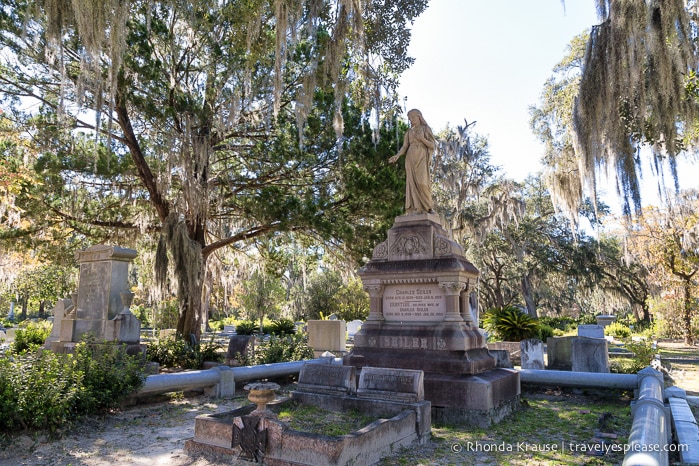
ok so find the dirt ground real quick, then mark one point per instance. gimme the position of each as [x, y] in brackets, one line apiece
[154, 434]
[148, 435]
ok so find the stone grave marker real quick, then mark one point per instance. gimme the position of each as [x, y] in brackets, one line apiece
[327, 379]
[591, 331]
[559, 353]
[101, 304]
[353, 327]
[532, 354]
[380, 383]
[327, 335]
[238, 346]
[421, 317]
[62, 307]
[590, 355]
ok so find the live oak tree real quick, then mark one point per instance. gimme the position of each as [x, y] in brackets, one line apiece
[552, 123]
[663, 241]
[209, 123]
[640, 63]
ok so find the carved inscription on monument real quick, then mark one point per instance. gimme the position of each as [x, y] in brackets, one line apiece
[93, 293]
[391, 384]
[423, 302]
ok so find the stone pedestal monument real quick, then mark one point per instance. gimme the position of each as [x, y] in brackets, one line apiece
[100, 307]
[420, 318]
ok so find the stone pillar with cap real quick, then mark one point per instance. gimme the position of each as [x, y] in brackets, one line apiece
[101, 304]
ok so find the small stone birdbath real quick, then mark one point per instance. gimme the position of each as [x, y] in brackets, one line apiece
[262, 393]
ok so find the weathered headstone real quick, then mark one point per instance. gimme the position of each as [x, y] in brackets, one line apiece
[559, 353]
[380, 383]
[590, 355]
[238, 349]
[591, 331]
[10, 335]
[327, 335]
[101, 304]
[353, 327]
[532, 354]
[59, 311]
[512, 347]
[125, 327]
[502, 358]
[327, 379]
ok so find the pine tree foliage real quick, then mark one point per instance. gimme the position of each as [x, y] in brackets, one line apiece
[224, 120]
[633, 89]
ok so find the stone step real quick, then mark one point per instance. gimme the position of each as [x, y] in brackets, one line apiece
[685, 428]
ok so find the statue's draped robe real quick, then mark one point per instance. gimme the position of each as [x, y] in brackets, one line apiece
[418, 193]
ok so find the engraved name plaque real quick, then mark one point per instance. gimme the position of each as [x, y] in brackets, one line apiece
[414, 303]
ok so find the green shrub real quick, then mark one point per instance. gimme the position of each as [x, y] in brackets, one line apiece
[170, 352]
[510, 324]
[545, 331]
[283, 349]
[560, 323]
[38, 390]
[643, 354]
[216, 325]
[108, 373]
[646, 328]
[211, 351]
[246, 327]
[31, 334]
[282, 327]
[7, 323]
[617, 330]
[143, 314]
[45, 390]
[586, 319]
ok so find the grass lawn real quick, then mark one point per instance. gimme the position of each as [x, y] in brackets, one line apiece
[553, 427]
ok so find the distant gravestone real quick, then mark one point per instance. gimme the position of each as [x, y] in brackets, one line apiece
[103, 277]
[404, 385]
[10, 335]
[502, 358]
[532, 354]
[327, 379]
[100, 307]
[591, 331]
[559, 353]
[238, 349]
[327, 335]
[62, 307]
[353, 327]
[590, 355]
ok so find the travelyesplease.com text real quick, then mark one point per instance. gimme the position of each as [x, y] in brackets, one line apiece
[587, 448]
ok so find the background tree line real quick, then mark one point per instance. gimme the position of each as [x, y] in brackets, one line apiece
[241, 149]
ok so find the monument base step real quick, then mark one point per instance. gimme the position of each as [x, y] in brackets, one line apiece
[474, 361]
[480, 391]
[480, 400]
[482, 418]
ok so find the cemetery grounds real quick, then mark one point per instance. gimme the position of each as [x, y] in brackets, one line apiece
[555, 426]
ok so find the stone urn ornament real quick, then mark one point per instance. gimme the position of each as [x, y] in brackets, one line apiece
[262, 393]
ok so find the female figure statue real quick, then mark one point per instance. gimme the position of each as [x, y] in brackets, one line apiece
[419, 144]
